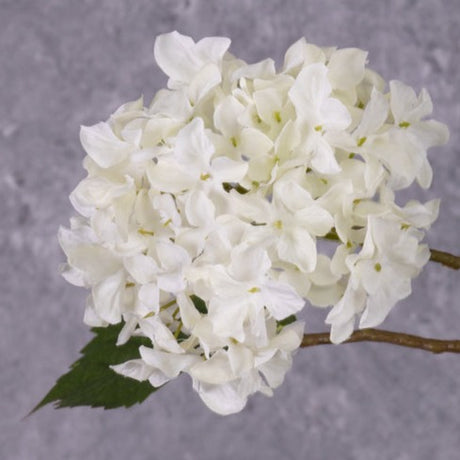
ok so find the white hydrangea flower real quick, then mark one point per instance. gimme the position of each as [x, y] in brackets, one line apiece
[201, 214]
[380, 275]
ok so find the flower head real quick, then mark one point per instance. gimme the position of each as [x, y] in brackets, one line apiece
[201, 214]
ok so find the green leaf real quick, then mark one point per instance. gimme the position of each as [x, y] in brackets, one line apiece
[91, 382]
[284, 322]
[200, 304]
[228, 186]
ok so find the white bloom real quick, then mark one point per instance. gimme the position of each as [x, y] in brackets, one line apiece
[381, 275]
[311, 96]
[103, 146]
[346, 68]
[195, 66]
[204, 215]
[291, 222]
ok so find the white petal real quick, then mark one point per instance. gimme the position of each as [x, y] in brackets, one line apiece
[298, 247]
[251, 207]
[425, 174]
[212, 49]
[90, 317]
[262, 169]
[421, 215]
[101, 144]
[249, 263]
[159, 129]
[199, 209]
[108, 297]
[264, 69]
[226, 116]
[170, 364]
[149, 296]
[143, 269]
[346, 67]
[158, 378]
[95, 261]
[275, 369]
[334, 115]
[131, 321]
[172, 104]
[254, 143]
[188, 313]
[374, 115]
[215, 370]
[241, 359]
[193, 148]
[406, 106]
[227, 317]
[338, 265]
[323, 276]
[381, 302]
[300, 53]
[175, 57]
[287, 141]
[203, 82]
[430, 133]
[224, 169]
[290, 337]
[352, 301]
[161, 337]
[281, 299]
[97, 192]
[132, 131]
[73, 275]
[171, 256]
[291, 195]
[166, 206]
[171, 282]
[135, 369]
[316, 219]
[268, 102]
[192, 240]
[311, 87]
[402, 98]
[325, 296]
[323, 159]
[123, 207]
[173, 260]
[341, 331]
[129, 107]
[222, 399]
[297, 279]
[168, 176]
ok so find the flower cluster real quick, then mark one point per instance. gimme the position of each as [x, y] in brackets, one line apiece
[201, 214]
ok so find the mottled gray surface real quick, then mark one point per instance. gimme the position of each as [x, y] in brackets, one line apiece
[64, 63]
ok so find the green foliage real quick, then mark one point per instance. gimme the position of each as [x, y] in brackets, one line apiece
[284, 322]
[200, 304]
[91, 382]
[229, 186]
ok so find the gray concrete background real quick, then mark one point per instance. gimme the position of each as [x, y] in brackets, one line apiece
[64, 63]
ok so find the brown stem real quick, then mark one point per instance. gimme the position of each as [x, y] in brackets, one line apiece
[396, 338]
[444, 258]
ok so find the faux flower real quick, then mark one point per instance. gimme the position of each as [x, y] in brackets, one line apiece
[201, 215]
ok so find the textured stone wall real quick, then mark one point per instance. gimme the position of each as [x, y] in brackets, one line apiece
[65, 63]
